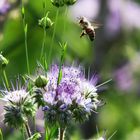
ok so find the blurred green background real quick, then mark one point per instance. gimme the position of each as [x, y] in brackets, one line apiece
[114, 54]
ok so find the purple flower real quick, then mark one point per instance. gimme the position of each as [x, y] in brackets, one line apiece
[4, 6]
[73, 88]
[122, 14]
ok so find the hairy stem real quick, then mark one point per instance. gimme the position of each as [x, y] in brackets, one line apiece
[61, 133]
[23, 133]
[28, 130]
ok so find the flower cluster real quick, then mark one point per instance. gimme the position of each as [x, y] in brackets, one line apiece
[4, 6]
[73, 98]
[18, 105]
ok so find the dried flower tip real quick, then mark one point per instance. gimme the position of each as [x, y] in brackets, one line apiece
[3, 61]
[45, 22]
[41, 81]
[70, 2]
[58, 3]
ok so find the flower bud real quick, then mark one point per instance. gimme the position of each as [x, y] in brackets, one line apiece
[3, 61]
[69, 2]
[45, 22]
[41, 81]
[58, 3]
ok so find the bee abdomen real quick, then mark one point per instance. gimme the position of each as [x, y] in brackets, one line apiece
[91, 34]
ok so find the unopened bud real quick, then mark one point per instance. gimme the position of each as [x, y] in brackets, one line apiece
[41, 81]
[45, 22]
[3, 61]
[69, 2]
[58, 3]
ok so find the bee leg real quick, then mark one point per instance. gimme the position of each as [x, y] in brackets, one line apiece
[83, 33]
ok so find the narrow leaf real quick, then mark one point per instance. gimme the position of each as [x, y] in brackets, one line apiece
[62, 61]
[26, 28]
[35, 136]
[1, 136]
[59, 77]
[23, 12]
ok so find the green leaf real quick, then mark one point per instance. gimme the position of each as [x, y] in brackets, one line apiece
[59, 77]
[35, 136]
[53, 131]
[64, 46]
[45, 64]
[1, 136]
[23, 12]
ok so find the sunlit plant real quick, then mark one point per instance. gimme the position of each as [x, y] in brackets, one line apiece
[63, 92]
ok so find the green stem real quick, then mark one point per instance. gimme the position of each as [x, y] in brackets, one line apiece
[28, 130]
[52, 40]
[26, 50]
[65, 15]
[23, 134]
[43, 44]
[44, 34]
[46, 131]
[25, 37]
[61, 133]
[34, 121]
[5, 78]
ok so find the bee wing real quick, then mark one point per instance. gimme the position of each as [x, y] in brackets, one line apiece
[96, 25]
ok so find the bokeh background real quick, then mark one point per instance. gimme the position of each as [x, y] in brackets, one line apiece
[115, 54]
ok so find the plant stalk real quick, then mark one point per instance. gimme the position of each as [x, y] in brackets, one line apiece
[52, 40]
[61, 133]
[5, 78]
[25, 37]
[44, 33]
[28, 130]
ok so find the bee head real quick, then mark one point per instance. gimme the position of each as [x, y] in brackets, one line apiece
[81, 20]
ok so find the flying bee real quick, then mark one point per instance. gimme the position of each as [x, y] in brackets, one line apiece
[88, 28]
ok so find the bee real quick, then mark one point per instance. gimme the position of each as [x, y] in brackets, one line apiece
[87, 28]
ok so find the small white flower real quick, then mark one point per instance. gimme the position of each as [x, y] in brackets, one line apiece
[49, 97]
[101, 138]
[88, 88]
[16, 96]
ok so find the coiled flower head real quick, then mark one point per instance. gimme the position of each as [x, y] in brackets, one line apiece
[19, 106]
[73, 98]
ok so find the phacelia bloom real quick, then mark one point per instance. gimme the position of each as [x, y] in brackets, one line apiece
[74, 97]
[4, 6]
[18, 104]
